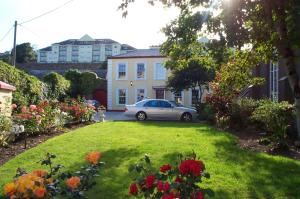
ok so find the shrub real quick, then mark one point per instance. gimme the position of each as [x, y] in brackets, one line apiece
[78, 110]
[180, 181]
[51, 183]
[5, 127]
[30, 90]
[83, 83]
[240, 113]
[205, 112]
[276, 118]
[57, 86]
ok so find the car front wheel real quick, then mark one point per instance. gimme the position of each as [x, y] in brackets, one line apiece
[186, 117]
[141, 116]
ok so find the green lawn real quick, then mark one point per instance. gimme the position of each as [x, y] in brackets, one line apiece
[235, 173]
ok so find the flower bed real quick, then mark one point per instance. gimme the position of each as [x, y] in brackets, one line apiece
[52, 182]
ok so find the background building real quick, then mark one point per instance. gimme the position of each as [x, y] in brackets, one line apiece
[83, 50]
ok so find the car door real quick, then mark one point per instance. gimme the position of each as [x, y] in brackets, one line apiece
[166, 110]
[151, 108]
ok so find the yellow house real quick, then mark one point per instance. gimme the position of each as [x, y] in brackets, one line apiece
[138, 75]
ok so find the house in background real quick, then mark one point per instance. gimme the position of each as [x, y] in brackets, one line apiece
[138, 75]
[276, 86]
[83, 50]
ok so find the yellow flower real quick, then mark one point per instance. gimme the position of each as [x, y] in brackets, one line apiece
[9, 189]
[93, 157]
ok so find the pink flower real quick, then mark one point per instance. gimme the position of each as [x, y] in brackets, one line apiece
[14, 106]
[24, 109]
[32, 107]
[197, 195]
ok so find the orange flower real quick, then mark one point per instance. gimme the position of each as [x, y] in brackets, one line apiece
[9, 189]
[40, 192]
[73, 182]
[93, 157]
[40, 173]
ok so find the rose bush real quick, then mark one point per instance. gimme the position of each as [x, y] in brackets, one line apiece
[51, 183]
[181, 181]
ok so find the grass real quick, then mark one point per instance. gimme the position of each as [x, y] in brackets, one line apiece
[235, 173]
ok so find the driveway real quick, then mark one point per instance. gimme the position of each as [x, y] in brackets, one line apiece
[115, 116]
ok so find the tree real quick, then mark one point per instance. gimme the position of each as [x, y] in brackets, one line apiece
[25, 53]
[271, 27]
[89, 82]
[74, 77]
[189, 59]
[57, 85]
[83, 83]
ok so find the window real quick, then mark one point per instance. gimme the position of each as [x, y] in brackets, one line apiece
[195, 97]
[152, 103]
[178, 97]
[121, 96]
[140, 71]
[274, 81]
[121, 71]
[164, 104]
[159, 72]
[140, 94]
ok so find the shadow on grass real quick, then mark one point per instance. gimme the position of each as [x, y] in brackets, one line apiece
[265, 176]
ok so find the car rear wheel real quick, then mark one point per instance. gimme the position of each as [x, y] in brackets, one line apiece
[141, 116]
[186, 117]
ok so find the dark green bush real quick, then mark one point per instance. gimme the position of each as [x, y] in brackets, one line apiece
[57, 86]
[205, 112]
[276, 118]
[240, 113]
[30, 90]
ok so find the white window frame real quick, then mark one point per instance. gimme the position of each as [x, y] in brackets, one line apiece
[154, 71]
[126, 70]
[182, 97]
[136, 92]
[274, 75]
[117, 96]
[136, 71]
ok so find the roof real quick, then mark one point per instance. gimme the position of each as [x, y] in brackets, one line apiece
[6, 86]
[139, 53]
[46, 49]
[127, 47]
[86, 42]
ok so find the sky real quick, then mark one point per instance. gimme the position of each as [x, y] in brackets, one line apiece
[98, 18]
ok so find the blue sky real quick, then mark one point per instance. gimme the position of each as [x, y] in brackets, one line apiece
[97, 18]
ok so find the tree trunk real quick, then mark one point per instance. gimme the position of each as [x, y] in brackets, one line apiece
[290, 55]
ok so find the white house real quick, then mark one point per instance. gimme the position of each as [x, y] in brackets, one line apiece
[83, 50]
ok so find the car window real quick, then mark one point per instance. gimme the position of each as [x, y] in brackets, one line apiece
[152, 103]
[164, 104]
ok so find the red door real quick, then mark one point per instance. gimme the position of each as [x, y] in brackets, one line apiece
[101, 96]
[160, 94]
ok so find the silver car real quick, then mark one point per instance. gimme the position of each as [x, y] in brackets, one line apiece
[160, 109]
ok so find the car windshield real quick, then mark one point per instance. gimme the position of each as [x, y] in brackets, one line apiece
[176, 104]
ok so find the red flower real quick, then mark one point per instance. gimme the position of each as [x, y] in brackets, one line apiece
[197, 195]
[150, 181]
[178, 179]
[169, 196]
[192, 167]
[133, 189]
[165, 168]
[161, 187]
